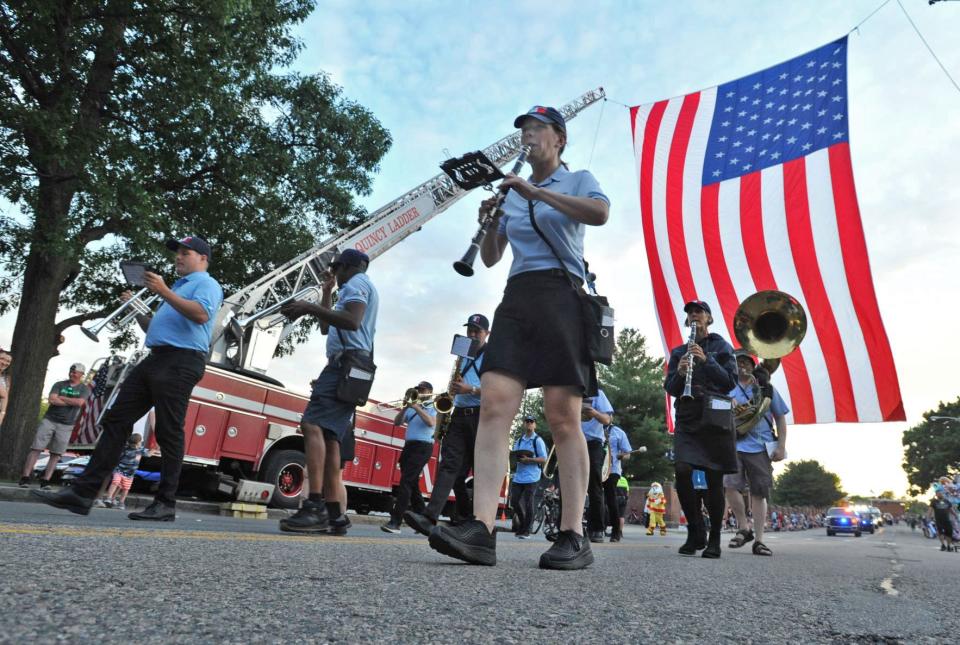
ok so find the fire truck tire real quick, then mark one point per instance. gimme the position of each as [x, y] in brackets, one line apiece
[286, 470]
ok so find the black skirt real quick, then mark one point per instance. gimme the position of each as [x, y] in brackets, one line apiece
[704, 447]
[537, 334]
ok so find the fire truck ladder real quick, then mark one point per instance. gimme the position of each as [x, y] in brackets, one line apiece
[248, 328]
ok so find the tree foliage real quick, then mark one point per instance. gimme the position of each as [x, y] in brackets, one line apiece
[807, 483]
[123, 123]
[932, 447]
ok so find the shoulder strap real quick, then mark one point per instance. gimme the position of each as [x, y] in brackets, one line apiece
[533, 223]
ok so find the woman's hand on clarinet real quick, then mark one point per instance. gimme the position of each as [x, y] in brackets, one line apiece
[523, 187]
[486, 206]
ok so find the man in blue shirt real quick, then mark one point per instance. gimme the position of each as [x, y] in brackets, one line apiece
[417, 449]
[178, 336]
[619, 446]
[327, 420]
[456, 448]
[596, 412]
[531, 454]
[755, 451]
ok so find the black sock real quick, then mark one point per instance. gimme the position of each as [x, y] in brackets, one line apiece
[333, 509]
[316, 498]
[716, 503]
[688, 496]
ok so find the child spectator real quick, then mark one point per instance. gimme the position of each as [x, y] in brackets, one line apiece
[123, 475]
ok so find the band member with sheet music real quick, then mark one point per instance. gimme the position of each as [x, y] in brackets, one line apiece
[327, 421]
[538, 337]
[596, 412]
[420, 420]
[531, 455]
[178, 336]
[619, 446]
[704, 435]
[456, 447]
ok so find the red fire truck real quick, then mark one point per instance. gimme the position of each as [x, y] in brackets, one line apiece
[242, 426]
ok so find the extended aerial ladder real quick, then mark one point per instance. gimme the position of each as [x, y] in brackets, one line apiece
[248, 327]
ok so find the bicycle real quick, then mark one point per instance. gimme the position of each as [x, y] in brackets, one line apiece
[547, 514]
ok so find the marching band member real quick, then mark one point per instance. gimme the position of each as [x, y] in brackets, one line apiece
[456, 447]
[619, 446]
[527, 476]
[327, 420]
[178, 336]
[417, 448]
[596, 412]
[538, 338]
[698, 442]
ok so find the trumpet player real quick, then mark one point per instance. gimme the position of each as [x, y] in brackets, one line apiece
[419, 419]
[178, 336]
[456, 448]
[704, 436]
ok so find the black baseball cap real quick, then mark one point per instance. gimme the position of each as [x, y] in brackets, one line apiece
[194, 243]
[478, 320]
[697, 303]
[545, 114]
[424, 385]
[351, 258]
[529, 418]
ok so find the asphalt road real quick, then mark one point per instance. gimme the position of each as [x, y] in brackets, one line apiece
[206, 579]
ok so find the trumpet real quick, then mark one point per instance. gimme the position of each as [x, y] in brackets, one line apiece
[122, 315]
[310, 294]
[464, 266]
[412, 395]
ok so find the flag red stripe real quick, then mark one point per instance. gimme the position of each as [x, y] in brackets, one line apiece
[713, 248]
[811, 281]
[755, 250]
[674, 196]
[860, 282]
[668, 319]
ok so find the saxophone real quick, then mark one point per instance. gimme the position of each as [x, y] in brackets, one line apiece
[444, 404]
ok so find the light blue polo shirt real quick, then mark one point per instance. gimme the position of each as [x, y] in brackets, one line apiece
[530, 253]
[171, 328]
[529, 473]
[471, 377]
[619, 444]
[417, 429]
[357, 289]
[593, 429]
[754, 440]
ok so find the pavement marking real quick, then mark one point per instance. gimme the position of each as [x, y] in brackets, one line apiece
[887, 586]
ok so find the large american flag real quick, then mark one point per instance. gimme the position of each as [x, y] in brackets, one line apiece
[749, 186]
[88, 431]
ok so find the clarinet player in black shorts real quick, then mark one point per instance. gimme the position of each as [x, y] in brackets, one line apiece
[536, 340]
[705, 437]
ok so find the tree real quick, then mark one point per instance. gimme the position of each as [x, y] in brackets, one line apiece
[932, 448]
[123, 123]
[807, 483]
[887, 494]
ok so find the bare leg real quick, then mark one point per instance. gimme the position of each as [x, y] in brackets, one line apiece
[112, 491]
[333, 488]
[562, 408]
[758, 506]
[51, 466]
[31, 461]
[735, 502]
[316, 450]
[498, 406]
[123, 495]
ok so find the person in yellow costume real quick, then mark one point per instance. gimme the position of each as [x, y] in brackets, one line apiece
[657, 508]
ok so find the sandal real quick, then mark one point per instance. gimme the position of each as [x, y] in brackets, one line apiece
[742, 537]
[759, 548]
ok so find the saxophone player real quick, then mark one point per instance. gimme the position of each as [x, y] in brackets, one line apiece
[456, 449]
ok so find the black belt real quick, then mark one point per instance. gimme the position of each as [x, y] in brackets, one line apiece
[466, 412]
[546, 273]
[334, 361]
[170, 349]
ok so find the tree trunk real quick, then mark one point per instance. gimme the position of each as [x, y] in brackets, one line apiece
[34, 336]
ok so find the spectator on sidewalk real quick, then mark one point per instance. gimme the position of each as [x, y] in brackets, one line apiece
[123, 474]
[66, 399]
[5, 359]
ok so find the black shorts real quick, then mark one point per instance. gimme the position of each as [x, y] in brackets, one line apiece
[537, 334]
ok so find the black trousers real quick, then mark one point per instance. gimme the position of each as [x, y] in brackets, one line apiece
[413, 458]
[614, 512]
[162, 381]
[522, 501]
[595, 486]
[456, 460]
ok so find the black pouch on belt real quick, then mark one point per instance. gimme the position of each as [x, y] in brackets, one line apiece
[356, 375]
[717, 413]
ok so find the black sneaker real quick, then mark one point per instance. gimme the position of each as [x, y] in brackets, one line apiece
[45, 484]
[568, 553]
[156, 512]
[390, 527]
[943, 547]
[421, 523]
[311, 518]
[339, 526]
[596, 536]
[24, 482]
[470, 542]
[67, 499]
[696, 540]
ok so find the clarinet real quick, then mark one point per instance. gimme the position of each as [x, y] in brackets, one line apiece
[464, 266]
[688, 383]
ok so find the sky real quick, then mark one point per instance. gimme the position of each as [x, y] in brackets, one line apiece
[448, 78]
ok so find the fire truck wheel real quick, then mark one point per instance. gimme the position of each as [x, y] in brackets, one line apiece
[286, 470]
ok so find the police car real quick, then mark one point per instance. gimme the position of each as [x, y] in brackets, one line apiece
[843, 520]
